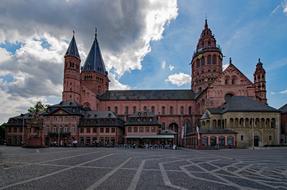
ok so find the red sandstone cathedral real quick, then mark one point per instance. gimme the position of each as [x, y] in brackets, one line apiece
[91, 113]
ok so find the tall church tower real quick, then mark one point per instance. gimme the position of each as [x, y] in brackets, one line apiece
[260, 82]
[206, 61]
[71, 86]
[94, 75]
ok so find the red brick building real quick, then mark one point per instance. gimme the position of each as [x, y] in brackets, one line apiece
[177, 112]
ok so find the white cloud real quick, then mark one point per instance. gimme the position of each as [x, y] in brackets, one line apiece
[125, 31]
[285, 8]
[283, 92]
[170, 67]
[157, 15]
[116, 85]
[4, 55]
[224, 66]
[179, 79]
[163, 64]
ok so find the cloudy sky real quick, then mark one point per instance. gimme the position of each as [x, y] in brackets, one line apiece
[145, 44]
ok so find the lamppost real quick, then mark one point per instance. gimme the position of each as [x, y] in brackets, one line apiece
[23, 127]
[252, 125]
[58, 136]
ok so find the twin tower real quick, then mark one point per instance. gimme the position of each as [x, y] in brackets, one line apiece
[83, 84]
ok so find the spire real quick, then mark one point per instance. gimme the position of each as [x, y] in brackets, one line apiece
[206, 25]
[230, 60]
[96, 32]
[259, 62]
[94, 61]
[72, 49]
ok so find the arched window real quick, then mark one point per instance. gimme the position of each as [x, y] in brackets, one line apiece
[227, 78]
[209, 59]
[163, 110]
[214, 59]
[241, 122]
[230, 140]
[202, 60]
[262, 122]
[134, 109]
[116, 109]
[222, 141]
[234, 80]
[227, 97]
[189, 110]
[152, 109]
[246, 122]
[197, 63]
[236, 122]
[213, 141]
[257, 122]
[273, 123]
[181, 110]
[171, 110]
[231, 122]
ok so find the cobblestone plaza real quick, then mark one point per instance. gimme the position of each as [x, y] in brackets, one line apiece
[119, 168]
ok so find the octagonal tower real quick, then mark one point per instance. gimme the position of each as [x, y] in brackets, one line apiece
[206, 61]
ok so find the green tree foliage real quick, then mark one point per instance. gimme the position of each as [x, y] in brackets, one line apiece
[38, 108]
[2, 133]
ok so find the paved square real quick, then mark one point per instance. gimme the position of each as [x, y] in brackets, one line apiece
[117, 168]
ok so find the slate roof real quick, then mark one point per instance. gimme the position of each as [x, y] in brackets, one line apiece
[94, 61]
[215, 110]
[283, 109]
[72, 49]
[99, 114]
[216, 131]
[148, 95]
[67, 106]
[242, 104]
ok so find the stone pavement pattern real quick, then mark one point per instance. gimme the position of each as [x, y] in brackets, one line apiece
[116, 168]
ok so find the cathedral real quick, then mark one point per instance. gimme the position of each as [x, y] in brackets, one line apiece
[223, 108]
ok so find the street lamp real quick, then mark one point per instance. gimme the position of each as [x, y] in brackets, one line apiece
[23, 127]
[58, 136]
[252, 126]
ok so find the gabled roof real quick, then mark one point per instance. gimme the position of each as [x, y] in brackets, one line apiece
[241, 104]
[94, 61]
[72, 49]
[246, 104]
[69, 107]
[148, 95]
[230, 66]
[283, 109]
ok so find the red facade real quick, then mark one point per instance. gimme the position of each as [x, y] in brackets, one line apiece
[209, 82]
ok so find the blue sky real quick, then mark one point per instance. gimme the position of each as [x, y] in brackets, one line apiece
[145, 44]
[245, 31]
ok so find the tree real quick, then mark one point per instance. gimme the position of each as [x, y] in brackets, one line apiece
[2, 133]
[38, 108]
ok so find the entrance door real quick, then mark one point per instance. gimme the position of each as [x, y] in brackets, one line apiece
[256, 140]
